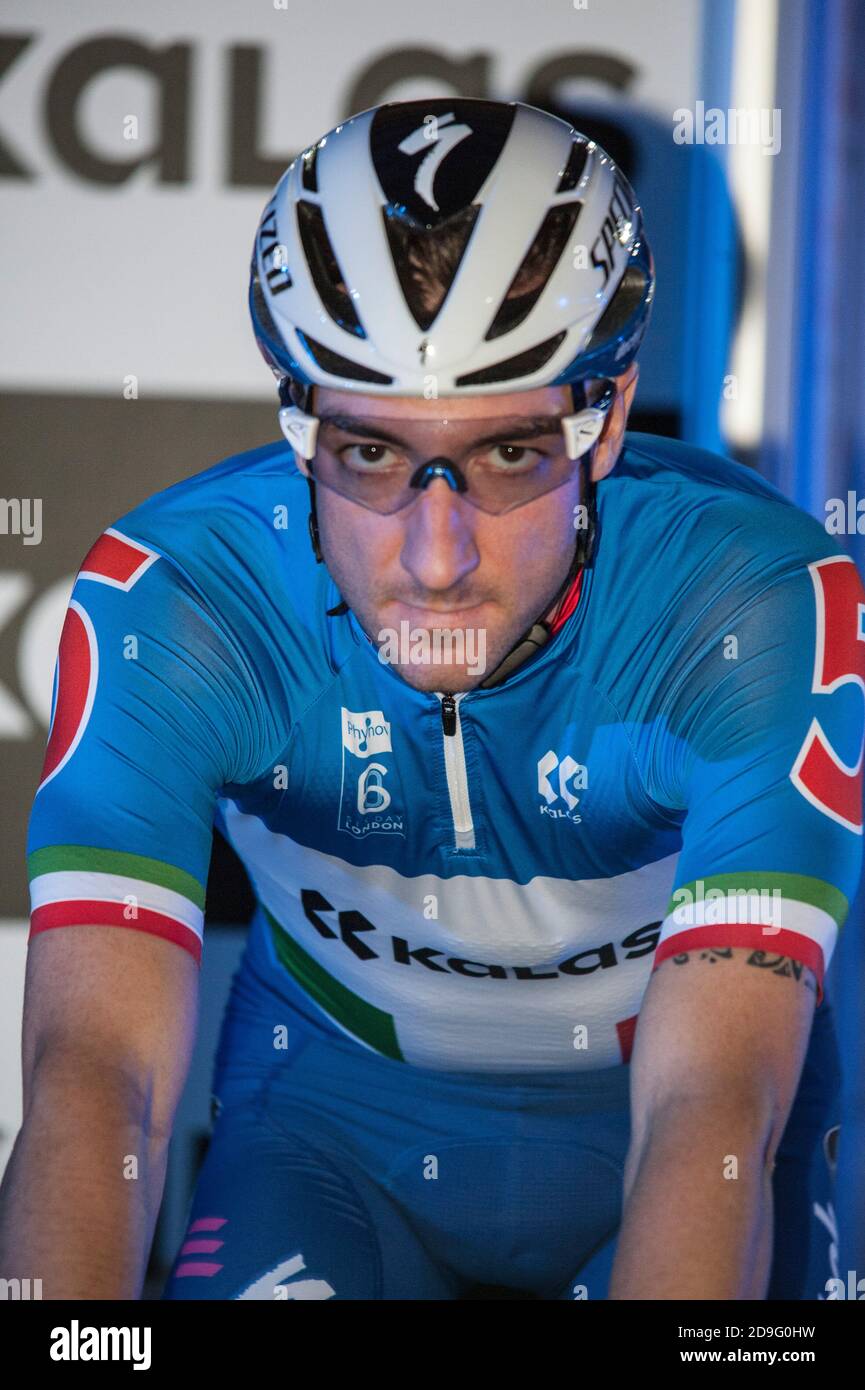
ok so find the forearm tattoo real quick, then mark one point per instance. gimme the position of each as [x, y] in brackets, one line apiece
[761, 960]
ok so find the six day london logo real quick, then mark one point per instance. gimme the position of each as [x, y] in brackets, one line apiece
[365, 801]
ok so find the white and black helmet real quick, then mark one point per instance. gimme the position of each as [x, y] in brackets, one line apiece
[543, 275]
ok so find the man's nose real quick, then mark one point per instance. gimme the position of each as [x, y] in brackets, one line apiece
[440, 547]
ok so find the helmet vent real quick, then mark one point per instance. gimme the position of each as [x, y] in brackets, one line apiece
[573, 170]
[535, 269]
[522, 365]
[309, 169]
[426, 260]
[324, 268]
[341, 366]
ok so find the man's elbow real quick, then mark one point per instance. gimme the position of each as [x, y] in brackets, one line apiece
[79, 1085]
[731, 1130]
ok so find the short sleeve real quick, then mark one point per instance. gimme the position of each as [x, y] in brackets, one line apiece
[149, 719]
[762, 747]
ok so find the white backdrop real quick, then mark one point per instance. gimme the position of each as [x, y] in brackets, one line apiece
[146, 278]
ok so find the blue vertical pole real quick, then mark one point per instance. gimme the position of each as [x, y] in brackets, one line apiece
[711, 247]
[819, 451]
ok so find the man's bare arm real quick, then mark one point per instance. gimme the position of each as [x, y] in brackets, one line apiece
[718, 1053]
[109, 1025]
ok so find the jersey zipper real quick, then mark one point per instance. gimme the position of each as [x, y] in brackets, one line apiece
[455, 768]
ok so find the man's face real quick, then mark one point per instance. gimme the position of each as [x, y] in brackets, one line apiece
[441, 564]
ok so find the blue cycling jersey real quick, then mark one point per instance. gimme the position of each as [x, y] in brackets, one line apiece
[479, 885]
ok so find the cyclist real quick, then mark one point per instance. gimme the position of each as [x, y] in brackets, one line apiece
[544, 759]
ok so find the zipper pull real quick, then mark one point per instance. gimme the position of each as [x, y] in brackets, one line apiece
[449, 715]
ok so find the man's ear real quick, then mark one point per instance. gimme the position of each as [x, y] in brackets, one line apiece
[609, 446]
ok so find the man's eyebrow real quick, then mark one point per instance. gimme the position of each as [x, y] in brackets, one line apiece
[509, 427]
[356, 424]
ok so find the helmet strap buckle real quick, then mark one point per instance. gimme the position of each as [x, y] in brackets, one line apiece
[583, 429]
[300, 429]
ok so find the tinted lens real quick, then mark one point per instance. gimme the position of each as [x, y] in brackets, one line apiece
[505, 462]
[508, 476]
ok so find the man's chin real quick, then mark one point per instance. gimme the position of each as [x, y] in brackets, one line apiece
[452, 677]
[450, 658]
[447, 679]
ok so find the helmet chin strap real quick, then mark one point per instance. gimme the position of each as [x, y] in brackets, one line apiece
[293, 392]
[541, 630]
[549, 621]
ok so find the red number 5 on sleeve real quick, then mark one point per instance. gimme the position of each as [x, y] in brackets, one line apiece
[829, 783]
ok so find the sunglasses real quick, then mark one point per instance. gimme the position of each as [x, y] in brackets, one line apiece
[494, 463]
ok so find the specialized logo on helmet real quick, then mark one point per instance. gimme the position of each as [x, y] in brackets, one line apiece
[365, 805]
[610, 248]
[411, 143]
[440, 143]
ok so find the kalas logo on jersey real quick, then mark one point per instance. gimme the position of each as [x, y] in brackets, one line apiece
[571, 774]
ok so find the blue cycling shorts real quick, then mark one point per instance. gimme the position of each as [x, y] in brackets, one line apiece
[333, 1172]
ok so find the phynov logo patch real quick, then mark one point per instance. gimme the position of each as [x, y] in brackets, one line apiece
[365, 733]
[366, 802]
